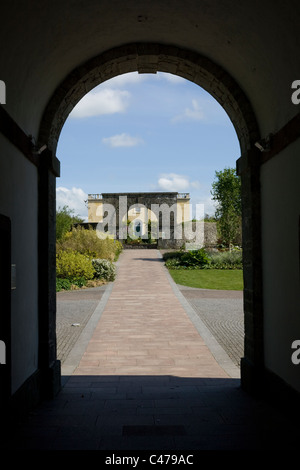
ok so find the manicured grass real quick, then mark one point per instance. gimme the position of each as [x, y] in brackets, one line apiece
[221, 279]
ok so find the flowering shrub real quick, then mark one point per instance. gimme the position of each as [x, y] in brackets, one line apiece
[88, 243]
[104, 269]
[73, 265]
[227, 260]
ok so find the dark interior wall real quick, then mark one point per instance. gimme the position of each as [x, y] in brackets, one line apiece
[255, 44]
[18, 202]
[253, 41]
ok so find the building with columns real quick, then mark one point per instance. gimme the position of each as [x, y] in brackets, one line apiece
[164, 210]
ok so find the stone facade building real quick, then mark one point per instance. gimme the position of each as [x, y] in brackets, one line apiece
[123, 214]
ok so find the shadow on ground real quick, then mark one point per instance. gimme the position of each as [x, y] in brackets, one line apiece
[154, 413]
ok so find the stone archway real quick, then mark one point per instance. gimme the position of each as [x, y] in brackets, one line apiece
[151, 58]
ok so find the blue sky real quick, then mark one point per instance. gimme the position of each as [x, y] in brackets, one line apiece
[144, 133]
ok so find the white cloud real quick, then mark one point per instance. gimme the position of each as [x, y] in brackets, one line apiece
[122, 140]
[174, 182]
[194, 113]
[208, 203]
[73, 198]
[101, 101]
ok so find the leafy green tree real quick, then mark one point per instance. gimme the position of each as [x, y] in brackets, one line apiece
[64, 221]
[226, 191]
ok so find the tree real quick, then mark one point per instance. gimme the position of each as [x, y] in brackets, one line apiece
[64, 221]
[226, 191]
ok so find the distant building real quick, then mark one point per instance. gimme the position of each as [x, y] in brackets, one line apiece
[166, 211]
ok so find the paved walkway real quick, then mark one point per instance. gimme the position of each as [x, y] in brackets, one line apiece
[223, 314]
[144, 329]
[146, 374]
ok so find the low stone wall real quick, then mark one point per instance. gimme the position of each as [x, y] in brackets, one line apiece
[210, 233]
[210, 237]
[140, 246]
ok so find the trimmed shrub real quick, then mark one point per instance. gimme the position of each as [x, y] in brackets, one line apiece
[194, 258]
[173, 263]
[73, 265]
[202, 259]
[63, 284]
[104, 269]
[70, 284]
[226, 260]
[86, 242]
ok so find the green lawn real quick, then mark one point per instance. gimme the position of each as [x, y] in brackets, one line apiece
[221, 279]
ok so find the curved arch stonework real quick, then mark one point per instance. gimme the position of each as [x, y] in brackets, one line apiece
[241, 53]
[150, 58]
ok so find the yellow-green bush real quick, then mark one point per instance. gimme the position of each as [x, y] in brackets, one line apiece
[88, 243]
[73, 265]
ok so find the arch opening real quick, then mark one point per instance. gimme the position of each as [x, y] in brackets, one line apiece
[153, 58]
[150, 58]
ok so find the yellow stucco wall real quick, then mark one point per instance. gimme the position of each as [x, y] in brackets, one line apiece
[95, 210]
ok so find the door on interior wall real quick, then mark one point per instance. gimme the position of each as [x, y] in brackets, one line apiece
[5, 310]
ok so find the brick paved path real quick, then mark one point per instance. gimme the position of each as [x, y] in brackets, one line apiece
[144, 329]
[223, 314]
[147, 381]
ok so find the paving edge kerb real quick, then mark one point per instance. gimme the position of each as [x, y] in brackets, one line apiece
[216, 350]
[75, 355]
